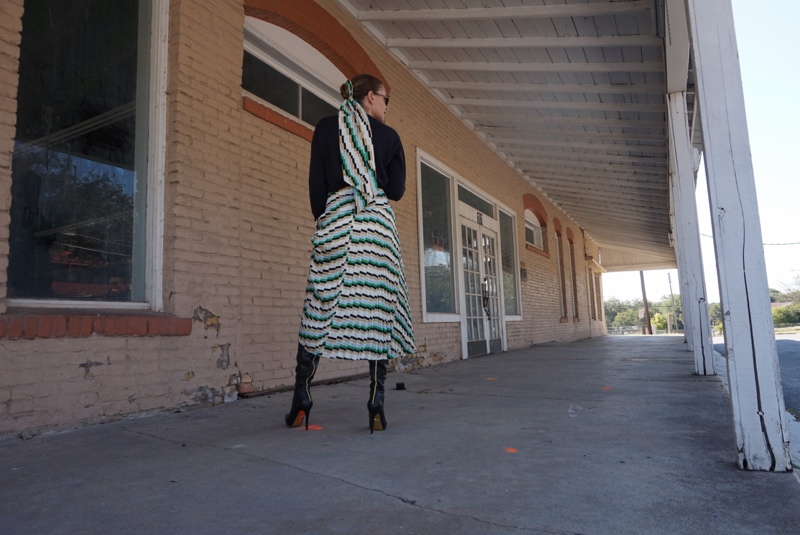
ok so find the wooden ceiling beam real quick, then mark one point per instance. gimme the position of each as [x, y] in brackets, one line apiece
[616, 67]
[495, 134]
[558, 105]
[609, 41]
[505, 13]
[505, 142]
[605, 89]
[561, 120]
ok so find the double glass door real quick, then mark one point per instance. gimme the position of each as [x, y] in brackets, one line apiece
[481, 320]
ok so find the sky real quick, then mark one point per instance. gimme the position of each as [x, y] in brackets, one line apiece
[768, 44]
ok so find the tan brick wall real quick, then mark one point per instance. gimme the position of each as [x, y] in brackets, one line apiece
[237, 244]
[10, 28]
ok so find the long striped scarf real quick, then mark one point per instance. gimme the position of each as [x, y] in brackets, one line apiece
[356, 151]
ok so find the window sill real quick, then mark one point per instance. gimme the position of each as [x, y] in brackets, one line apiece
[32, 324]
[537, 250]
[281, 121]
[564, 320]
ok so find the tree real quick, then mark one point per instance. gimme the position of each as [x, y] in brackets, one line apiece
[612, 307]
[660, 321]
[789, 314]
[627, 318]
[715, 314]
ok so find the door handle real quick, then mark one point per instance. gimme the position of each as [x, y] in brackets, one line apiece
[485, 295]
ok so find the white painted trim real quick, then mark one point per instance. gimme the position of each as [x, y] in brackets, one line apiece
[62, 304]
[435, 317]
[157, 153]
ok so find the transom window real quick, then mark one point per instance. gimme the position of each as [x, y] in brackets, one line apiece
[285, 72]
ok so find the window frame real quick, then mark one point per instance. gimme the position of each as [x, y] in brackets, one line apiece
[437, 317]
[532, 223]
[508, 212]
[269, 52]
[155, 170]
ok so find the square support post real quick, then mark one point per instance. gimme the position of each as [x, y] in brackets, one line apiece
[693, 283]
[753, 372]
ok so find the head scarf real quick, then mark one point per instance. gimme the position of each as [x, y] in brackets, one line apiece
[356, 150]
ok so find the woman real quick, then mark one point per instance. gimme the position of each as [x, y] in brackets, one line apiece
[356, 303]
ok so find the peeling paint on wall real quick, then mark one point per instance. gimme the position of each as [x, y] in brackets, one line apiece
[224, 359]
[207, 318]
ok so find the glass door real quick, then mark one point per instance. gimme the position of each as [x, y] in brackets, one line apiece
[481, 320]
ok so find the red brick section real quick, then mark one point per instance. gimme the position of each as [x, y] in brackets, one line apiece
[530, 202]
[309, 21]
[271, 116]
[30, 325]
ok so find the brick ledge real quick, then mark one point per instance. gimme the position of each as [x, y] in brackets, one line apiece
[31, 324]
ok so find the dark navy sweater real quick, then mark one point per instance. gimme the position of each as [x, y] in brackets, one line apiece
[325, 172]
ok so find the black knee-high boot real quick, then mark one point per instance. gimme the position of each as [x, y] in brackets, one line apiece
[377, 376]
[303, 375]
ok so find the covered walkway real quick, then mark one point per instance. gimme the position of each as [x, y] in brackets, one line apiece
[613, 435]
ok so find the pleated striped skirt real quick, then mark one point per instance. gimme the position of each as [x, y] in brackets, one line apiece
[356, 304]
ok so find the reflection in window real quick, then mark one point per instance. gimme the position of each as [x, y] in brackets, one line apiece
[562, 291]
[534, 235]
[480, 204]
[437, 242]
[78, 181]
[509, 264]
[269, 84]
[574, 278]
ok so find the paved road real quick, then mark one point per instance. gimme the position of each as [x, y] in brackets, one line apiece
[789, 358]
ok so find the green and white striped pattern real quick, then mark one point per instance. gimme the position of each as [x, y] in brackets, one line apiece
[357, 153]
[356, 303]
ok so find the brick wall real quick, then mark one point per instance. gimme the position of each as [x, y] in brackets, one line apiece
[10, 28]
[237, 244]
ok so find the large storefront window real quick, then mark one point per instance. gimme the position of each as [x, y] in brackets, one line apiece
[440, 294]
[78, 204]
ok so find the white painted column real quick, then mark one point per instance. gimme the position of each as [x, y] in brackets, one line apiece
[753, 372]
[693, 286]
[688, 324]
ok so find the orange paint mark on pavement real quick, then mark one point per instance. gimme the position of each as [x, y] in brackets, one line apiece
[491, 379]
[606, 388]
[511, 450]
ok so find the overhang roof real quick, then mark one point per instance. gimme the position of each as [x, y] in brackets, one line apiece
[572, 95]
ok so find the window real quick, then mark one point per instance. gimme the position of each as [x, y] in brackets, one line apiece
[574, 280]
[598, 296]
[590, 288]
[533, 231]
[472, 200]
[437, 241]
[79, 209]
[509, 264]
[562, 291]
[273, 71]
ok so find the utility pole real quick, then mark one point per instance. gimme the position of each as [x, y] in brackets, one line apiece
[672, 297]
[647, 329]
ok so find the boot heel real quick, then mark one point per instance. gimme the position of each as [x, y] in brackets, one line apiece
[377, 422]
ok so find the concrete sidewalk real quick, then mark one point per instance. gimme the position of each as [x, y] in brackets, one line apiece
[605, 436]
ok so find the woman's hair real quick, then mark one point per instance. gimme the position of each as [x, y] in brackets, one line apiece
[362, 84]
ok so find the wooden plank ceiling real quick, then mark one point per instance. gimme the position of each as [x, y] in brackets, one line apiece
[570, 93]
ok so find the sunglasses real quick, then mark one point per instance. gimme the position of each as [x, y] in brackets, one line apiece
[385, 98]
